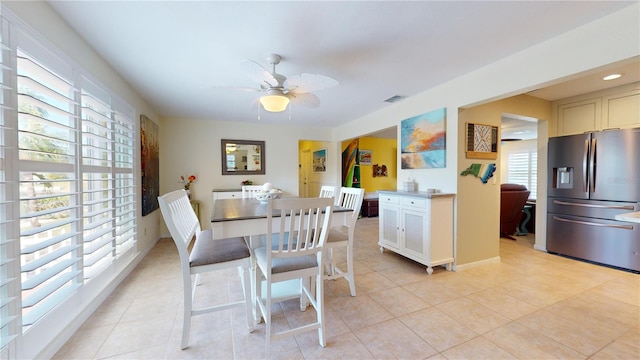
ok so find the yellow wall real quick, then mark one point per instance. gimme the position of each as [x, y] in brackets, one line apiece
[384, 152]
[478, 207]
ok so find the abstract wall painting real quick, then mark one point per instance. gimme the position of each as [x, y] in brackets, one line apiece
[150, 161]
[423, 140]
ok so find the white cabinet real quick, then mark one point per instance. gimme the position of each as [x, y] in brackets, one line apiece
[615, 108]
[418, 226]
[621, 110]
[226, 194]
[579, 117]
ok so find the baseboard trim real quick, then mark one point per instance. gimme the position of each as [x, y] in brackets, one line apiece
[467, 266]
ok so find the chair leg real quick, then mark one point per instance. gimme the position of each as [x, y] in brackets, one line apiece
[188, 307]
[248, 300]
[320, 310]
[350, 275]
[267, 320]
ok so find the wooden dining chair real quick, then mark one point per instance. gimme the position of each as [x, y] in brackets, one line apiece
[249, 191]
[207, 255]
[291, 256]
[342, 236]
[327, 191]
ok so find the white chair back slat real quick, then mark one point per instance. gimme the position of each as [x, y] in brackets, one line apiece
[296, 238]
[181, 221]
[351, 198]
[249, 191]
[327, 191]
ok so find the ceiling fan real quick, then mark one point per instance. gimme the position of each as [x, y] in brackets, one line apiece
[280, 90]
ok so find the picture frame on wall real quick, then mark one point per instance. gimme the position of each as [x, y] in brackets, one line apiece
[365, 157]
[423, 141]
[320, 160]
[482, 141]
[150, 164]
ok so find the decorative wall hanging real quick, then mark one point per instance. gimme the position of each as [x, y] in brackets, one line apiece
[350, 165]
[482, 171]
[423, 139]
[482, 141]
[150, 160]
[379, 170]
[365, 157]
[320, 160]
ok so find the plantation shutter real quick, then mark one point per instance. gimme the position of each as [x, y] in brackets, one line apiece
[107, 173]
[125, 141]
[522, 165]
[49, 186]
[9, 278]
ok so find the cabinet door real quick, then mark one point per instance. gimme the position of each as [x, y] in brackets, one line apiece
[579, 117]
[413, 230]
[621, 110]
[389, 226]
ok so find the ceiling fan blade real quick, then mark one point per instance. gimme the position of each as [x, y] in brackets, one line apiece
[304, 99]
[258, 73]
[307, 83]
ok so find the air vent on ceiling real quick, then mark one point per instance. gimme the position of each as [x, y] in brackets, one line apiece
[395, 98]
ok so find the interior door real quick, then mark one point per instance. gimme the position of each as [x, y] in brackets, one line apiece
[303, 173]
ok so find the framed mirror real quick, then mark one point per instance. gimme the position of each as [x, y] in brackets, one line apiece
[242, 157]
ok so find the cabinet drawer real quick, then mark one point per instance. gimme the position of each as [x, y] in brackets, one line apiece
[227, 195]
[386, 199]
[414, 202]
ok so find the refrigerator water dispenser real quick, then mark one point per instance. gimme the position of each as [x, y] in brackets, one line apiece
[563, 178]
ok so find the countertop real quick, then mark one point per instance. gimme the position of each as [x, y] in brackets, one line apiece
[225, 190]
[420, 194]
[631, 217]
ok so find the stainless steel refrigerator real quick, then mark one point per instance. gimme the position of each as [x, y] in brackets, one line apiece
[593, 177]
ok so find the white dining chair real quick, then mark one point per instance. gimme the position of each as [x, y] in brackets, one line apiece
[249, 191]
[292, 255]
[207, 255]
[342, 236]
[327, 191]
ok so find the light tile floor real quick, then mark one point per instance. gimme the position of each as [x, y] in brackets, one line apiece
[532, 305]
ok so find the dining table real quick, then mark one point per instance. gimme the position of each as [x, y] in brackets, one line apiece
[247, 217]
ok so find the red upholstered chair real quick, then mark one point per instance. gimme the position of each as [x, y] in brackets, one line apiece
[513, 197]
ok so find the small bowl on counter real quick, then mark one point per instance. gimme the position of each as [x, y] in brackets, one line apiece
[264, 196]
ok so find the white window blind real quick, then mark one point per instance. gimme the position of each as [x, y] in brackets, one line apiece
[49, 187]
[522, 165]
[67, 181]
[9, 276]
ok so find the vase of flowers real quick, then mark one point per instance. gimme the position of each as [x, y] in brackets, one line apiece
[186, 182]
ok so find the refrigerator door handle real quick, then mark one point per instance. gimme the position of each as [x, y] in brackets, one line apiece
[625, 227]
[592, 166]
[585, 159]
[615, 207]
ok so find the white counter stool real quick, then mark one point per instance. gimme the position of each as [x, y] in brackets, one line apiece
[342, 236]
[207, 255]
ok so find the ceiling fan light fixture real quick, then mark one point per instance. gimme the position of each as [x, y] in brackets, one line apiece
[274, 101]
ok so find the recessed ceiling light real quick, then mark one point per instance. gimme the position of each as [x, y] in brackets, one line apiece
[612, 77]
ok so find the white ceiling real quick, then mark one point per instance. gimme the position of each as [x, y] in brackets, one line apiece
[174, 53]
